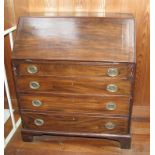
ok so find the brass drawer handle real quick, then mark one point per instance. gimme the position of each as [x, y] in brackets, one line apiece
[36, 103]
[34, 85]
[32, 69]
[112, 88]
[39, 122]
[110, 125]
[112, 72]
[111, 106]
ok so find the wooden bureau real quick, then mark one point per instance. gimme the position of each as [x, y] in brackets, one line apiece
[74, 75]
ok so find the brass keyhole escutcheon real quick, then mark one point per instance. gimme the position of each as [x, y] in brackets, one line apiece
[110, 125]
[112, 72]
[34, 85]
[32, 69]
[39, 122]
[111, 106]
[112, 88]
[36, 103]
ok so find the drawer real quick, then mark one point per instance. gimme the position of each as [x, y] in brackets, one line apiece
[76, 69]
[68, 123]
[76, 104]
[73, 85]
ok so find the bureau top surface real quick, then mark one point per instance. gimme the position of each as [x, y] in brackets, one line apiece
[79, 38]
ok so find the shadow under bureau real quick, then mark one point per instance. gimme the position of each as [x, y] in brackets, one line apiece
[74, 75]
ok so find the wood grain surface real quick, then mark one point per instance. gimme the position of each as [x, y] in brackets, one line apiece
[75, 104]
[91, 85]
[67, 5]
[66, 68]
[72, 39]
[141, 13]
[87, 146]
[74, 124]
[88, 41]
[9, 14]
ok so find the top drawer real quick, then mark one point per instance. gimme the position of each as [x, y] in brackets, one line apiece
[76, 69]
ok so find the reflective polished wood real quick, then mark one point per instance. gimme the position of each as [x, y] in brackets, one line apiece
[83, 62]
[93, 38]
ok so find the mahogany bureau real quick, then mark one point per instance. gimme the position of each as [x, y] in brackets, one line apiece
[74, 75]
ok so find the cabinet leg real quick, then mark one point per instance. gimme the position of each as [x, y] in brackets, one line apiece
[26, 137]
[125, 142]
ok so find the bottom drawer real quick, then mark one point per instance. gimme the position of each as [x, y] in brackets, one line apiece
[78, 124]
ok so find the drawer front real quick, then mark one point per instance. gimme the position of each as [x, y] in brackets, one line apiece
[76, 104]
[77, 69]
[83, 124]
[73, 85]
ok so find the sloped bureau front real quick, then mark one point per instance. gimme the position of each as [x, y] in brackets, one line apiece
[74, 76]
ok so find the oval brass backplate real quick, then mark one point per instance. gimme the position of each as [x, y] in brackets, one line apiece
[112, 88]
[111, 106]
[39, 122]
[112, 72]
[32, 69]
[110, 125]
[34, 85]
[36, 103]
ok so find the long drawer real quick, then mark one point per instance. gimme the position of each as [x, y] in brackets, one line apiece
[76, 69]
[75, 123]
[73, 85]
[75, 104]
